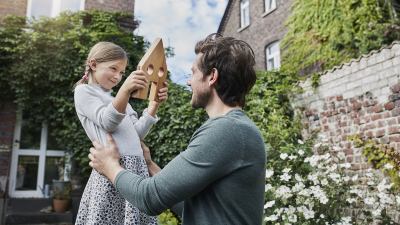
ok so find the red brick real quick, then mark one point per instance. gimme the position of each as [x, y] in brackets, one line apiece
[337, 118]
[378, 108]
[395, 138]
[332, 133]
[338, 132]
[324, 121]
[386, 114]
[326, 127]
[355, 167]
[344, 138]
[374, 102]
[343, 111]
[365, 104]
[356, 106]
[349, 123]
[339, 98]
[332, 99]
[353, 115]
[366, 165]
[346, 130]
[350, 108]
[356, 121]
[365, 119]
[376, 117]
[343, 124]
[393, 129]
[331, 106]
[328, 113]
[370, 110]
[380, 133]
[381, 124]
[392, 121]
[389, 106]
[371, 126]
[322, 115]
[361, 113]
[309, 113]
[369, 134]
[348, 152]
[395, 88]
[348, 144]
[349, 159]
[352, 100]
[335, 112]
[345, 102]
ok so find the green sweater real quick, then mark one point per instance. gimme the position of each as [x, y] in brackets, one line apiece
[220, 177]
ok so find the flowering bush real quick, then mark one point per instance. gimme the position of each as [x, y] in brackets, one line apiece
[321, 189]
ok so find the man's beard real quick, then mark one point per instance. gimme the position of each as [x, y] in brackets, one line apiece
[201, 100]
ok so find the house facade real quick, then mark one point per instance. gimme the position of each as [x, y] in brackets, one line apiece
[261, 24]
[29, 160]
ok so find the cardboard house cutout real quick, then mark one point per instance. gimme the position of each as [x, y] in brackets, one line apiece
[154, 66]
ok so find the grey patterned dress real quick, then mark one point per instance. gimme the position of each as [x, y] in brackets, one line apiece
[101, 203]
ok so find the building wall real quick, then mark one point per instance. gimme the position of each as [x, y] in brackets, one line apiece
[17, 7]
[7, 123]
[360, 97]
[114, 5]
[262, 30]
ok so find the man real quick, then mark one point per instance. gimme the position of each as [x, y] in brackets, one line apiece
[220, 178]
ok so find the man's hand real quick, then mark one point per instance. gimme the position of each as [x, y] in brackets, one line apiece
[151, 166]
[105, 160]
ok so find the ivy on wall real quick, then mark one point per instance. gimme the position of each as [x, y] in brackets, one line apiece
[325, 33]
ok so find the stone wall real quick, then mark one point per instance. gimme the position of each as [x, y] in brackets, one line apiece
[263, 29]
[360, 97]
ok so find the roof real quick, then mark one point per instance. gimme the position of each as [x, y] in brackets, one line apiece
[225, 18]
[358, 60]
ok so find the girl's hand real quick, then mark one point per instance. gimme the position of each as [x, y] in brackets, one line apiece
[162, 94]
[137, 80]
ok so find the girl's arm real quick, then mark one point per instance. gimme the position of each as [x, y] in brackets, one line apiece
[137, 80]
[162, 96]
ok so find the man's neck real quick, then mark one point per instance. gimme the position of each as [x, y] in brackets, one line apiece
[216, 107]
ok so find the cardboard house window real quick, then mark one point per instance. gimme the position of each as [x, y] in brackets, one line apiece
[270, 5]
[52, 8]
[244, 13]
[273, 56]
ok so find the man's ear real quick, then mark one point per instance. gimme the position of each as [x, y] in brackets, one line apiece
[213, 80]
[93, 64]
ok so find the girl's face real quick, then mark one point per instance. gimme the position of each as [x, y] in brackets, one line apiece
[107, 74]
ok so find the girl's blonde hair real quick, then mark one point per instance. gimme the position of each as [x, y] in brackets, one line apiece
[102, 52]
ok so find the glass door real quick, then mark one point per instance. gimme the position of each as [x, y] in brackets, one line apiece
[36, 159]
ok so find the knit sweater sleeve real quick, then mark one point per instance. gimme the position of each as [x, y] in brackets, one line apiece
[143, 124]
[214, 151]
[89, 104]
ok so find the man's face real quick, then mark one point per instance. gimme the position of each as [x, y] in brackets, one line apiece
[201, 89]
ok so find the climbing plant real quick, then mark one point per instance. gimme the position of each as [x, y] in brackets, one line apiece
[325, 33]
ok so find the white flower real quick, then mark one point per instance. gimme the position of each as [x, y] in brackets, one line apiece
[271, 218]
[300, 141]
[369, 174]
[347, 178]
[268, 187]
[341, 155]
[301, 152]
[388, 166]
[336, 148]
[269, 204]
[323, 200]
[325, 139]
[369, 201]
[324, 182]
[313, 163]
[370, 183]
[355, 177]
[285, 177]
[292, 218]
[293, 157]
[284, 156]
[269, 173]
[322, 216]
[317, 145]
[351, 200]
[307, 159]
[287, 170]
[376, 212]
[297, 177]
[308, 214]
[398, 199]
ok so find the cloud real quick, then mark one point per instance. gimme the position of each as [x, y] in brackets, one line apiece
[181, 24]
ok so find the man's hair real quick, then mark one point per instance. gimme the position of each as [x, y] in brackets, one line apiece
[234, 60]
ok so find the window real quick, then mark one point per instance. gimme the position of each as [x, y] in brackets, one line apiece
[51, 8]
[270, 5]
[244, 13]
[273, 56]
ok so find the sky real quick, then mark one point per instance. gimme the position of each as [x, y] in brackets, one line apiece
[180, 24]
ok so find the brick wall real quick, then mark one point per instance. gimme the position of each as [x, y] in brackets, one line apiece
[262, 30]
[17, 7]
[7, 123]
[114, 5]
[360, 97]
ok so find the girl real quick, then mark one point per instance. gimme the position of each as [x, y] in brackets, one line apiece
[100, 113]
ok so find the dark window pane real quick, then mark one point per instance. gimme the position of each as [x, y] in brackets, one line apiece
[51, 140]
[30, 135]
[54, 169]
[27, 172]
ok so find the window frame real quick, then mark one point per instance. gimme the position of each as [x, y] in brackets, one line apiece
[276, 56]
[242, 7]
[56, 7]
[267, 4]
